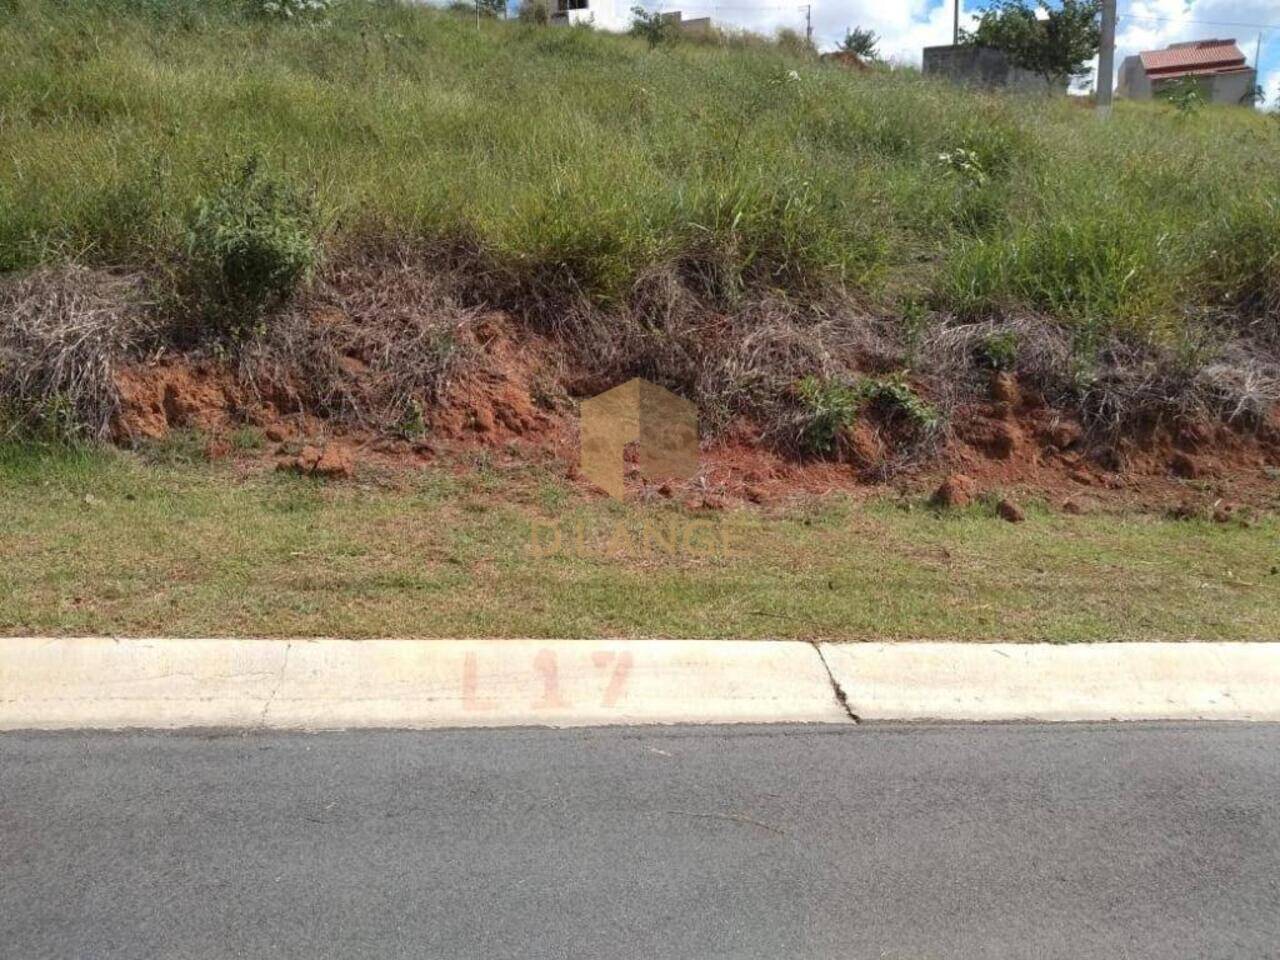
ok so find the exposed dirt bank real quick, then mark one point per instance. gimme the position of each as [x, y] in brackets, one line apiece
[516, 402]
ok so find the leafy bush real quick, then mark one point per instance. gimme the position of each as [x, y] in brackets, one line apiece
[250, 245]
[829, 406]
[654, 27]
[1186, 95]
[895, 395]
[1056, 41]
[998, 350]
[861, 43]
[537, 12]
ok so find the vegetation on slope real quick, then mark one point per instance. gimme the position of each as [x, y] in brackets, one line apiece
[586, 183]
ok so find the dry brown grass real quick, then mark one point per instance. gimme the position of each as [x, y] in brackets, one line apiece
[64, 331]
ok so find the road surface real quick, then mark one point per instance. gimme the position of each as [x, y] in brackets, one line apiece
[965, 841]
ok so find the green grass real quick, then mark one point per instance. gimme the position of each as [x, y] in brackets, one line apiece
[566, 160]
[101, 543]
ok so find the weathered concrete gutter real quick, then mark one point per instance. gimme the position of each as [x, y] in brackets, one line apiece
[332, 683]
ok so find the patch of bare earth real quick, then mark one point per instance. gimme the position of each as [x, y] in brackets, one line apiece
[510, 403]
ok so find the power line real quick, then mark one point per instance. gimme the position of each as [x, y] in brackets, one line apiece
[1207, 23]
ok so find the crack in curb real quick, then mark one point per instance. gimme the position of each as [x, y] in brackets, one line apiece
[841, 697]
[271, 697]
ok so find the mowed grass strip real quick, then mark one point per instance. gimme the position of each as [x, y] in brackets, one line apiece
[98, 543]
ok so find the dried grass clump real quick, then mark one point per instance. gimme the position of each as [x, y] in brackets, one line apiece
[1119, 384]
[380, 339]
[64, 332]
[1240, 386]
[740, 364]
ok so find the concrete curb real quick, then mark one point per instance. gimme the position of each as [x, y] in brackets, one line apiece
[1106, 681]
[327, 684]
[86, 683]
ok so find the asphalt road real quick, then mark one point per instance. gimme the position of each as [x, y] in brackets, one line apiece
[693, 843]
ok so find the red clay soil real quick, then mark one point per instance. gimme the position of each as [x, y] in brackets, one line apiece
[511, 405]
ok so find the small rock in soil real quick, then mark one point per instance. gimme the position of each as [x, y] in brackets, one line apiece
[956, 491]
[276, 434]
[334, 462]
[1008, 510]
[1073, 507]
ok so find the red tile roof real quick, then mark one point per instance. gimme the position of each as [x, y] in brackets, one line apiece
[1197, 57]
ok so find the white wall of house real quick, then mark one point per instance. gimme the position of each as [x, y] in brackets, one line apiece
[1226, 88]
[602, 14]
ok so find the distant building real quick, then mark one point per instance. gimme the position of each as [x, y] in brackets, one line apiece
[975, 66]
[615, 15]
[603, 14]
[1217, 66]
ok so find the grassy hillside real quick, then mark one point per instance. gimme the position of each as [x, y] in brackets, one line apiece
[572, 156]
[563, 164]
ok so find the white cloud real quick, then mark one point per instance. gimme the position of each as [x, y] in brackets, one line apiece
[1271, 87]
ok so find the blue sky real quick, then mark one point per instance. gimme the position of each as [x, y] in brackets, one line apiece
[906, 26]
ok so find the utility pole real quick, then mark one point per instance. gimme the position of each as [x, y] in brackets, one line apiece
[808, 22]
[955, 33]
[1106, 59]
[1257, 93]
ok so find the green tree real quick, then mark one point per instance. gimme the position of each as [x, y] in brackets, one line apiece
[654, 26]
[1055, 42]
[863, 43]
[534, 11]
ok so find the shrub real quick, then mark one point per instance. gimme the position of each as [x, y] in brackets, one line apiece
[998, 350]
[654, 27]
[894, 395]
[249, 247]
[829, 406]
[537, 12]
[861, 43]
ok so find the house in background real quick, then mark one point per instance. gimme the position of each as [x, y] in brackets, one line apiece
[615, 15]
[1218, 66]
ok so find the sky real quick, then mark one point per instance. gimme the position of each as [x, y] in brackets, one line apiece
[906, 26]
